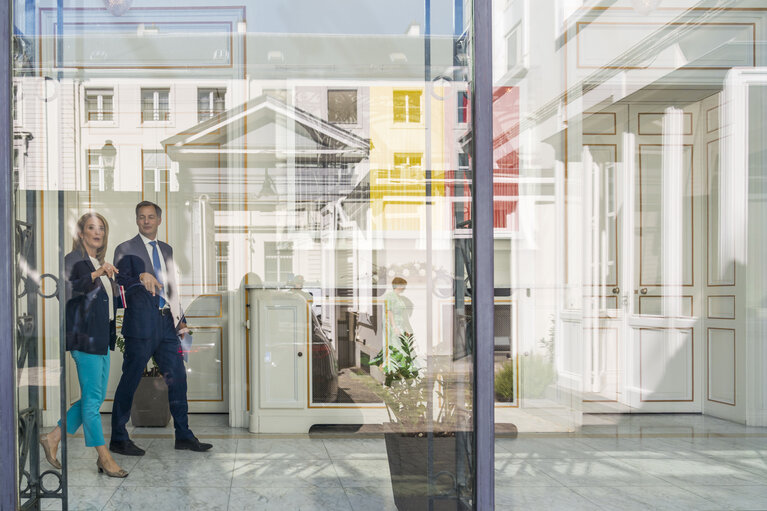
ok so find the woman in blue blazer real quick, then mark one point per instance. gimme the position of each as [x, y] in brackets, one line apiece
[91, 296]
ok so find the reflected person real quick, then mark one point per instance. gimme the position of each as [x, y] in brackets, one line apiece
[398, 311]
[90, 294]
[151, 327]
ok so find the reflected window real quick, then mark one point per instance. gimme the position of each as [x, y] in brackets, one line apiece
[99, 104]
[100, 177]
[342, 106]
[210, 103]
[463, 107]
[405, 164]
[156, 165]
[155, 105]
[222, 265]
[16, 104]
[278, 261]
[407, 106]
[513, 47]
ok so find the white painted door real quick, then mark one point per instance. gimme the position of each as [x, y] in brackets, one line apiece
[724, 297]
[664, 334]
[604, 311]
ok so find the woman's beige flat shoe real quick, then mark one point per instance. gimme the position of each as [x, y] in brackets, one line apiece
[48, 454]
[120, 473]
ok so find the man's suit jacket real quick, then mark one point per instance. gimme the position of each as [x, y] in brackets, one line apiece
[132, 259]
[88, 326]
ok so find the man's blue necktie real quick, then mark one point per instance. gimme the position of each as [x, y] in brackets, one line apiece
[157, 269]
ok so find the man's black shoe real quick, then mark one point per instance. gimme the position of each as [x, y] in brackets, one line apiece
[126, 448]
[191, 444]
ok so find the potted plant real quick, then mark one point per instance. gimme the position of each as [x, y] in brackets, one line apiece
[504, 383]
[428, 433]
[150, 402]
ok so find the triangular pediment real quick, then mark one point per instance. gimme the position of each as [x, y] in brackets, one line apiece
[266, 127]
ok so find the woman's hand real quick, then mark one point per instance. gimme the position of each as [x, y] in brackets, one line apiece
[105, 269]
[109, 269]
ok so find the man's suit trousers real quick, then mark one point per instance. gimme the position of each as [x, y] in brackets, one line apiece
[166, 350]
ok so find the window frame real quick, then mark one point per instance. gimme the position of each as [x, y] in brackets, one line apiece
[356, 106]
[169, 117]
[87, 112]
[407, 108]
[204, 115]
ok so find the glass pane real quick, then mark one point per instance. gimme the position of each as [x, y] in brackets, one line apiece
[304, 172]
[628, 161]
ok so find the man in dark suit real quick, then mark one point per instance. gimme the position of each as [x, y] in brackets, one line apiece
[152, 322]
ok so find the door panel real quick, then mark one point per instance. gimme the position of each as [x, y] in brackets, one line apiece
[664, 323]
[723, 292]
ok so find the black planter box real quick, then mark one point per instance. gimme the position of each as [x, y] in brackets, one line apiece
[409, 467]
[150, 403]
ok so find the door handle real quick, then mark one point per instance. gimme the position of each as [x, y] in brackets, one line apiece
[300, 354]
[643, 291]
[616, 290]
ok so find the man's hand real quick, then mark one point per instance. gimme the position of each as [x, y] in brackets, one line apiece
[150, 283]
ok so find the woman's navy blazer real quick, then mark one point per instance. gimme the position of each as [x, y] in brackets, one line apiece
[87, 311]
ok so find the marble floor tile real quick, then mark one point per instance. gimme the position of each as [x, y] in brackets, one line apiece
[510, 473]
[354, 473]
[356, 449]
[598, 472]
[542, 448]
[695, 472]
[284, 474]
[641, 498]
[293, 499]
[281, 449]
[550, 499]
[222, 448]
[190, 498]
[219, 432]
[741, 498]
[83, 498]
[755, 465]
[169, 472]
[83, 472]
[660, 448]
[377, 498]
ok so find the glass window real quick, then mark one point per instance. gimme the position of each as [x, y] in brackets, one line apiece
[155, 105]
[342, 106]
[210, 103]
[407, 106]
[99, 104]
[278, 261]
[310, 211]
[462, 102]
[513, 48]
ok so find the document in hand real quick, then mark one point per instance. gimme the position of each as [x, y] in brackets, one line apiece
[186, 344]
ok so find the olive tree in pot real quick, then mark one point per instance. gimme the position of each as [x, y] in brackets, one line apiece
[428, 436]
[150, 402]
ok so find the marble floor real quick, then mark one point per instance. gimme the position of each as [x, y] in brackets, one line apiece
[626, 462]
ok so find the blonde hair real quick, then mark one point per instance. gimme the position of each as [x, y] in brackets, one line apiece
[77, 243]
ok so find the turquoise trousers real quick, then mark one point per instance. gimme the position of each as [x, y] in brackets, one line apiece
[93, 374]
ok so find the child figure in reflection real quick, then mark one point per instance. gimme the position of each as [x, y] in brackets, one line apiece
[398, 311]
